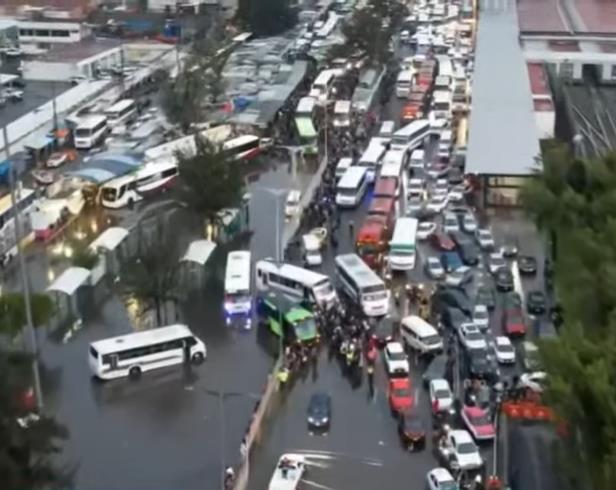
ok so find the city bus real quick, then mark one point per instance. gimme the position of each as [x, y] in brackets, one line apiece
[306, 107]
[371, 158]
[121, 112]
[412, 135]
[308, 137]
[26, 203]
[385, 188]
[128, 189]
[322, 86]
[402, 246]
[237, 284]
[352, 187]
[385, 207]
[90, 131]
[243, 147]
[295, 282]
[362, 284]
[394, 162]
[372, 239]
[135, 353]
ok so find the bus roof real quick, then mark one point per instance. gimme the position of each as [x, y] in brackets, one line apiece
[91, 121]
[405, 76]
[306, 105]
[385, 187]
[372, 154]
[146, 170]
[239, 141]
[6, 202]
[358, 270]
[381, 205]
[237, 274]
[305, 128]
[307, 276]
[405, 232]
[120, 105]
[372, 229]
[352, 177]
[412, 128]
[324, 77]
[342, 107]
[138, 339]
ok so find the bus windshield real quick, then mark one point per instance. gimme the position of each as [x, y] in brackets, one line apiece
[109, 193]
[83, 132]
[323, 289]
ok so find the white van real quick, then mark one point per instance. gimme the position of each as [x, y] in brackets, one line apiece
[402, 246]
[311, 250]
[322, 86]
[445, 144]
[404, 82]
[418, 158]
[352, 187]
[342, 166]
[420, 336]
[387, 129]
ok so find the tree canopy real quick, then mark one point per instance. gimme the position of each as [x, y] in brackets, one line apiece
[575, 202]
[13, 311]
[265, 17]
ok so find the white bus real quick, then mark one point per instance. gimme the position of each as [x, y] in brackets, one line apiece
[243, 147]
[90, 131]
[342, 114]
[371, 158]
[322, 86]
[26, 204]
[128, 189]
[412, 135]
[237, 283]
[135, 353]
[394, 162]
[404, 83]
[342, 166]
[121, 112]
[351, 188]
[362, 284]
[295, 282]
[445, 67]
[305, 107]
[402, 246]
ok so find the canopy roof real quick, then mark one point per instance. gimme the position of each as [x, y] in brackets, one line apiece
[110, 238]
[199, 251]
[70, 280]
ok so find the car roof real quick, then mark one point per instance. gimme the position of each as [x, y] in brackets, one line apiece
[395, 347]
[441, 474]
[440, 384]
[400, 383]
[461, 436]
[503, 340]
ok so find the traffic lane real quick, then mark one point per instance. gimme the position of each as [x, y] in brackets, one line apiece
[361, 449]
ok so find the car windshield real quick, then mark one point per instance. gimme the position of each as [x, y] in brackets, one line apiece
[467, 448]
[432, 340]
[402, 393]
[440, 394]
[481, 314]
[485, 235]
[397, 356]
[505, 348]
[448, 485]
[473, 335]
[480, 419]
[434, 264]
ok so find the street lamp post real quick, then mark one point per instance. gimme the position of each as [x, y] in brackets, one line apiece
[38, 392]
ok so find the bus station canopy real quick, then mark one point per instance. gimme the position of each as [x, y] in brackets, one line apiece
[70, 280]
[199, 251]
[106, 166]
[110, 238]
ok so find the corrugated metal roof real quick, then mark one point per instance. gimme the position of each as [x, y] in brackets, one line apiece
[503, 137]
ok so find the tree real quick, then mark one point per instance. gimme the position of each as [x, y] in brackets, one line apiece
[13, 311]
[182, 98]
[29, 442]
[265, 17]
[209, 180]
[151, 276]
[575, 202]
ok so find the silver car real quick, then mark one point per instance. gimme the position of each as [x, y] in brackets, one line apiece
[484, 239]
[434, 268]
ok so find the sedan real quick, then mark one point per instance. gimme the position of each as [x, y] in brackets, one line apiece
[471, 337]
[486, 296]
[319, 411]
[505, 353]
[482, 365]
[456, 194]
[504, 279]
[56, 159]
[510, 247]
[437, 369]
[468, 252]
[533, 381]
[441, 479]
[441, 397]
[478, 422]
[452, 317]
[434, 268]
[399, 394]
[412, 431]
[484, 238]
[396, 362]
[453, 297]
[464, 450]
[469, 223]
[451, 261]
[438, 203]
[442, 242]
[459, 277]
[496, 261]
[535, 302]
[513, 323]
[481, 317]
[425, 229]
[527, 265]
[450, 223]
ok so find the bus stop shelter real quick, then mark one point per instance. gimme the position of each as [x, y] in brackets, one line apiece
[194, 260]
[65, 291]
[109, 246]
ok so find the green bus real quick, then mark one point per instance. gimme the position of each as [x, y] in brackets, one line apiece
[298, 323]
[307, 135]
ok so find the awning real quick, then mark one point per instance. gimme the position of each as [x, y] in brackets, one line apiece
[40, 143]
[106, 166]
[199, 251]
[70, 280]
[110, 238]
[96, 175]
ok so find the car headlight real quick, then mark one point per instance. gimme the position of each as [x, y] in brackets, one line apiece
[324, 420]
[311, 420]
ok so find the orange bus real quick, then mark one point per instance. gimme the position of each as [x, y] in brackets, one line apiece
[385, 207]
[372, 240]
[385, 187]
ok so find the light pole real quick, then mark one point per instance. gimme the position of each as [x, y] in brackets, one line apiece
[38, 392]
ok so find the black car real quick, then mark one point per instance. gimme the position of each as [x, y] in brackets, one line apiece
[527, 265]
[482, 365]
[504, 279]
[455, 176]
[453, 317]
[412, 431]
[437, 369]
[468, 253]
[486, 296]
[452, 296]
[535, 302]
[510, 247]
[383, 330]
[319, 411]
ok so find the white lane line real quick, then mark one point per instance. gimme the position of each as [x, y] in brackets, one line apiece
[517, 282]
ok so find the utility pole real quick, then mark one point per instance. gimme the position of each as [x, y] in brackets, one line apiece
[55, 109]
[38, 392]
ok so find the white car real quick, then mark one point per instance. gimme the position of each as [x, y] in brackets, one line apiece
[425, 229]
[441, 397]
[484, 238]
[434, 268]
[464, 450]
[396, 361]
[13, 94]
[450, 223]
[496, 261]
[481, 317]
[459, 277]
[533, 381]
[442, 184]
[292, 207]
[441, 479]
[56, 160]
[456, 194]
[405, 36]
[505, 353]
[471, 337]
[288, 472]
[438, 203]
[415, 187]
[469, 223]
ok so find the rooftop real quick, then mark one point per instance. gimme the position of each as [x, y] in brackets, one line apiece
[567, 17]
[508, 143]
[74, 52]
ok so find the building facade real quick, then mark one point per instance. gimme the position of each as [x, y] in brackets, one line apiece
[49, 32]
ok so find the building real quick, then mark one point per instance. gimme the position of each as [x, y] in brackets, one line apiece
[84, 59]
[68, 9]
[46, 32]
[543, 103]
[8, 33]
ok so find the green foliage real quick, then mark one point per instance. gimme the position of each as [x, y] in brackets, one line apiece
[265, 17]
[181, 98]
[13, 311]
[575, 202]
[209, 180]
[26, 453]
[151, 276]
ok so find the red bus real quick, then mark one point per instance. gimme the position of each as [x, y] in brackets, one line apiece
[372, 240]
[385, 187]
[385, 207]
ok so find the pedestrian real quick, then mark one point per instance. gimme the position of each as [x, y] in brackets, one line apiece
[351, 229]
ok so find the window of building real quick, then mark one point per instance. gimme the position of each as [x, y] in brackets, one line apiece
[614, 72]
[26, 32]
[63, 33]
[41, 32]
[566, 70]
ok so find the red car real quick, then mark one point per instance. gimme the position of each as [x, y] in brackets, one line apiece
[400, 397]
[513, 322]
[478, 423]
[441, 241]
